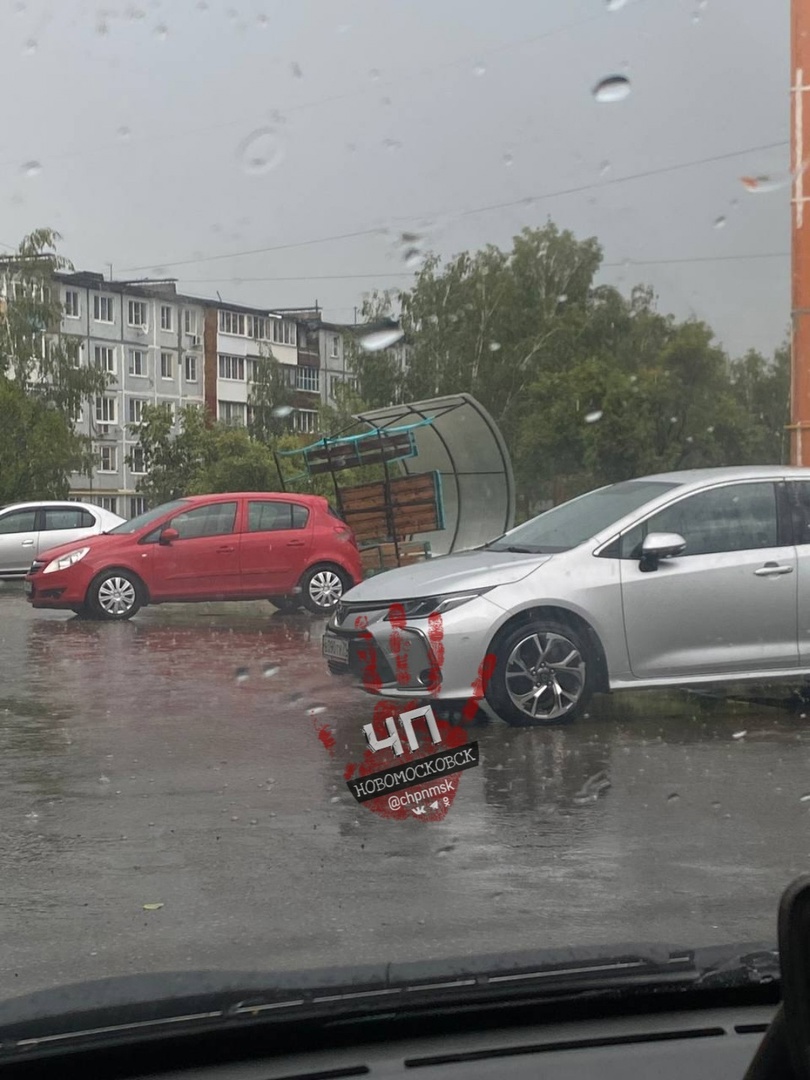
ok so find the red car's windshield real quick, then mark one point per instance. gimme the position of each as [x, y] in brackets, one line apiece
[142, 520]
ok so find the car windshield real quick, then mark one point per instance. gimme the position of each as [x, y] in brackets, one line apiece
[403, 296]
[141, 521]
[574, 522]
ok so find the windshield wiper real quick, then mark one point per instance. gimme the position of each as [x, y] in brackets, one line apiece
[521, 550]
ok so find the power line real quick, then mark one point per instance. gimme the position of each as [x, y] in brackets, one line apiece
[399, 274]
[700, 259]
[526, 200]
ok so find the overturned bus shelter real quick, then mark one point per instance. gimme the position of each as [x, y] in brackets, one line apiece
[446, 484]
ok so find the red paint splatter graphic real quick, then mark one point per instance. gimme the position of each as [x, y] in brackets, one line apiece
[427, 799]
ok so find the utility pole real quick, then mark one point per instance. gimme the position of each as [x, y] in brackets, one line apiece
[800, 233]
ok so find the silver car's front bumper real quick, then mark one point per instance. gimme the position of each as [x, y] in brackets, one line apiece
[438, 659]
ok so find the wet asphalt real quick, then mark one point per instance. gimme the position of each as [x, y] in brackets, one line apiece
[175, 760]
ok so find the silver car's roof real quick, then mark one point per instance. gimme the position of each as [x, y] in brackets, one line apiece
[733, 472]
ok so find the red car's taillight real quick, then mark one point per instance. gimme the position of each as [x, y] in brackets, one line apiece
[345, 534]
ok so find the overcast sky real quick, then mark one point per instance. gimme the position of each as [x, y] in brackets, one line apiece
[167, 136]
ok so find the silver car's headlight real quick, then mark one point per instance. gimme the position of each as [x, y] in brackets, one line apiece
[64, 561]
[435, 605]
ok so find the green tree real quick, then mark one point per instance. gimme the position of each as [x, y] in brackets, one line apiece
[38, 448]
[43, 381]
[174, 461]
[270, 400]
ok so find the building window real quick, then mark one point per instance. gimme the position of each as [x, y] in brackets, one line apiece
[103, 308]
[288, 374]
[191, 369]
[137, 362]
[165, 317]
[106, 410]
[108, 502]
[232, 412]
[71, 303]
[137, 505]
[335, 350]
[308, 378]
[136, 313]
[284, 332]
[137, 462]
[258, 327]
[166, 365]
[135, 410]
[230, 322]
[232, 367]
[305, 420]
[105, 358]
[190, 321]
[108, 458]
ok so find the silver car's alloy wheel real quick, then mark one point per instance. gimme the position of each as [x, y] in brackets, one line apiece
[325, 589]
[116, 596]
[545, 675]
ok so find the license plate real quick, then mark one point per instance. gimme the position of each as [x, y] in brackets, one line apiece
[336, 648]
[28, 588]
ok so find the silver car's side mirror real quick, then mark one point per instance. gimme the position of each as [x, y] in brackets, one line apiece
[659, 546]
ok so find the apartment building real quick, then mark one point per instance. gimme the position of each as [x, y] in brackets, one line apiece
[160, 346]
[149, 339]
[236, 337]
[334, 344]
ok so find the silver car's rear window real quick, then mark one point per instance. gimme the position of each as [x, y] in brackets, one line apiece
[572, 523]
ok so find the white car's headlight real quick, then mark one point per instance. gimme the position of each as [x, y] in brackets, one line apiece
[437, 605]
[64, 561]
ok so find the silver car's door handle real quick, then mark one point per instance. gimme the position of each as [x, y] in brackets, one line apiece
[772, 569]
[27, 543]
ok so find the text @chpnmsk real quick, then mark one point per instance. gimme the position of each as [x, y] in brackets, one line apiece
[425, 770]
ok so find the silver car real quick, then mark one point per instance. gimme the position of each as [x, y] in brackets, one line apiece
[685, 578]
[27, 529]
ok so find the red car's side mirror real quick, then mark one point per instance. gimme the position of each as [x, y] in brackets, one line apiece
[167, 535]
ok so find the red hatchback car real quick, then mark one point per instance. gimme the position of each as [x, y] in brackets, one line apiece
[286, 548]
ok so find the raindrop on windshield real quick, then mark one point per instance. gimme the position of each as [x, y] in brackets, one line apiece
[260, 152]
[763, 185]
[615, 5]
[269, 670]
[594, 416]
[604, 168]
[381, 339]
[295, 68]
[613, 88]
[315, 710]
[241, 674]
[673, 798]
[282, 410]
[32, 168]
[262, 21]
[494, 346]
[805, 798]
[719, 222]
[392, 144]
[479, 69]
[374, 74]
[161, 31]
[508, 160]
[739, 734]
[123, 133]
[30, 46]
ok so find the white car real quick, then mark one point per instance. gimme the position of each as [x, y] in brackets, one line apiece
[681, 579]
[26, 529]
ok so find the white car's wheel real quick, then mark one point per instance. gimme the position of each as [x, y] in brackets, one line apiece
[544, 674]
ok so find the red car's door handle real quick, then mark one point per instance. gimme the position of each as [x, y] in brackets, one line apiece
[225, 549]
[295, 543]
